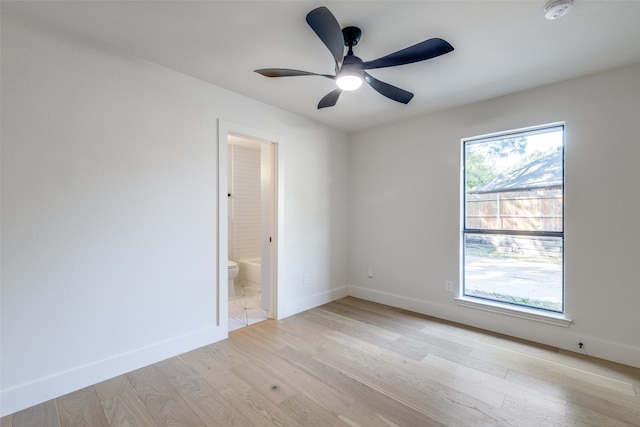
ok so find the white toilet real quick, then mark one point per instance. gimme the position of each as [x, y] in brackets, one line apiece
[233, 272]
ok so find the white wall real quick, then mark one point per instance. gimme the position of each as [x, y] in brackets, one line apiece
[109, 211]
[405, 210]
[244, 203]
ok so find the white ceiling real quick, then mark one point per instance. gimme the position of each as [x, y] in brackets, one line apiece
[500, 46]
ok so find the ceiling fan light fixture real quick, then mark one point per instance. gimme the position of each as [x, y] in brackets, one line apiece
[555, 9]
[350, 75]
[349, 81]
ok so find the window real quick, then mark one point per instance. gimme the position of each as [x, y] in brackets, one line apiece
[513, 231]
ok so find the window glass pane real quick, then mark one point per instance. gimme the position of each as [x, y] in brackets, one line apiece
[522, 270]
[515, 182]
[513, 218]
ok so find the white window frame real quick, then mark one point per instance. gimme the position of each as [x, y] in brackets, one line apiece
[503, 308]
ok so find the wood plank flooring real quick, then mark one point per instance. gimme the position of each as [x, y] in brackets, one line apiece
[357, 363]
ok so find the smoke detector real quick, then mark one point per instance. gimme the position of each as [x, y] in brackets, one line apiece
[555, 9]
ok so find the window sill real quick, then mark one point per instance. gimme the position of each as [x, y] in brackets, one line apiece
[556, 319]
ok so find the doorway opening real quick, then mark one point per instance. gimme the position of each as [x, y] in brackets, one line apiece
[251, 218]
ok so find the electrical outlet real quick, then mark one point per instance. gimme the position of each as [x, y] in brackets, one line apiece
[305, 278]
[448, 286]
[370, 272]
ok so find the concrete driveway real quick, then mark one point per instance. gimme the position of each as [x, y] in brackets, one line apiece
[533, 280]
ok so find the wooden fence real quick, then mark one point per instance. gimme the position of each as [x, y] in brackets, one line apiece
[532, 210]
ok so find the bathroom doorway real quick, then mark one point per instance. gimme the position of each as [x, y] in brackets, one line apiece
[251, 190]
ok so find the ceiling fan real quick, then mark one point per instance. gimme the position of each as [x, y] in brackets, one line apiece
[350, 70]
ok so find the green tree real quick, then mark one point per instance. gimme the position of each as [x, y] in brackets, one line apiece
[507, 147]
[476, 170]
[481, 159]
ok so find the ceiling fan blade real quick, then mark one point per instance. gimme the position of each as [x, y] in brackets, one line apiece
[330, 99]
[390, 91]
[325, 25]
[418, 52]
[286, 72]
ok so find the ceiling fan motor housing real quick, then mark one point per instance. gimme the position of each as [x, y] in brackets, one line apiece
[352, 62]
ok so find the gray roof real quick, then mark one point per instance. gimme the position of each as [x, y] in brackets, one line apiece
[545, 172]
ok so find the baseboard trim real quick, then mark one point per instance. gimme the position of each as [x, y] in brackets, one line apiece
[562, 338]
[25, 395]
[289, 308]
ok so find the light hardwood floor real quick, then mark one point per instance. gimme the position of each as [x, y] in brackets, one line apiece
[356, 363]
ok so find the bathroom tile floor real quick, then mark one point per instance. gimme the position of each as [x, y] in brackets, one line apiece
[244, 309]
